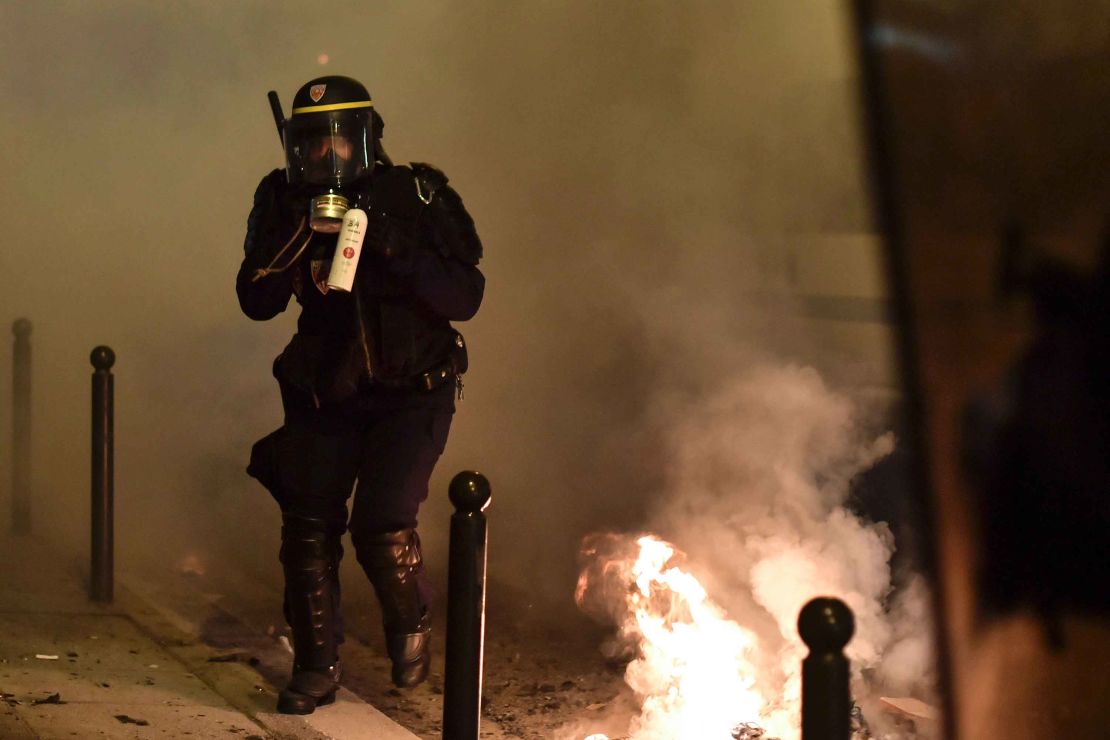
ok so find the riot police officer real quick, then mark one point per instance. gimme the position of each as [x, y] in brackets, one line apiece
[368, 382]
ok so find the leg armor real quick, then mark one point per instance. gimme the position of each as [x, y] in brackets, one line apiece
[336, 528]
[306, 556]
[394, 565]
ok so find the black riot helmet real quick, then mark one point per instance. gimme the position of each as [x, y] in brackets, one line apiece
[330, 135]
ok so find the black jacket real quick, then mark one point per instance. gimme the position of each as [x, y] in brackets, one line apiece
[417, 272]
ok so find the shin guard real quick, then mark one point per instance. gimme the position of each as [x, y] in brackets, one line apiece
[395, 567]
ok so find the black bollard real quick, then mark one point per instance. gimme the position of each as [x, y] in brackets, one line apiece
[826, 625]
[21, 427]
[466, 607]
[100, 581]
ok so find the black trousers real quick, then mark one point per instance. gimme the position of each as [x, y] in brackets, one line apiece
[386, 442]
[383, 445]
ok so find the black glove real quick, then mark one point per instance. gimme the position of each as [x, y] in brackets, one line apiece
[286, 202]
[277, 214]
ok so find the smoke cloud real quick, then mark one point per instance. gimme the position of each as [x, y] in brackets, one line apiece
[755, 493]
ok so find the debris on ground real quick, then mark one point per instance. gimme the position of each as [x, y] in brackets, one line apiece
[123, 718]
[230, 658]
[858, 728]
[52, 699]
[44, 656]
[748, 731]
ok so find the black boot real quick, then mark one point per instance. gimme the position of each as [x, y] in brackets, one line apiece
[308, 689]
[393, 562]
[306, 555]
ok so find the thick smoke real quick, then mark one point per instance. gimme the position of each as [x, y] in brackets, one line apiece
[757, 454]
[619, 158]
[755, 493]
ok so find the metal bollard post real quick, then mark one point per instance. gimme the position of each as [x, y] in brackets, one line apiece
[21, 427]
[826, 625]
[100, 581]
[466, 607]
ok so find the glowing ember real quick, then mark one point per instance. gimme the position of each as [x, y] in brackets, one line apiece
[191, 565]
[693, 669]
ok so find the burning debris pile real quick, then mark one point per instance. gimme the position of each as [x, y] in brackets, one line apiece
[749, 731]
[691, 665]
[694, 669]
[758, 481]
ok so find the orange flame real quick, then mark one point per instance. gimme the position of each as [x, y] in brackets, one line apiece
[694, 670]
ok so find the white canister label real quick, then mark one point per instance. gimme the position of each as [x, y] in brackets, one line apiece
[347, 250]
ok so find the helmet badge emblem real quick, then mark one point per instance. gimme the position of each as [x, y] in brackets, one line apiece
[316, 92]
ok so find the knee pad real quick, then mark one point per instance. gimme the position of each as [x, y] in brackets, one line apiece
[388, 551]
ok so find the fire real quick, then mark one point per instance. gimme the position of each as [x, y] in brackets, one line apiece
[756, 478]
[694, 668]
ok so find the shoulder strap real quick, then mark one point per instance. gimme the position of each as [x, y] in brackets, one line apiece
[428, 180]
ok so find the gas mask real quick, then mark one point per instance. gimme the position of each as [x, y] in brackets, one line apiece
[329, 145]
[326, 158]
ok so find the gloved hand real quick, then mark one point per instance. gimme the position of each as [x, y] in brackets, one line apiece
[278, 213]
[286, 203]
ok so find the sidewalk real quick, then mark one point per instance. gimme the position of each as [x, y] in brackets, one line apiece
[135, 668]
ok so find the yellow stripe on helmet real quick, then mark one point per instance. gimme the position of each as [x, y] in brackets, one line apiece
[333, 106]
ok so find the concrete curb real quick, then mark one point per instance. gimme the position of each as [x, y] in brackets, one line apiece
[251, 688]
[152, 664]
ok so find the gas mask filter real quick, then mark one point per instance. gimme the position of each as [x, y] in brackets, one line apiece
[326, 212]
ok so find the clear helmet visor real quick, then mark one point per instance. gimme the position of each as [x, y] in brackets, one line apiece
[327, 148]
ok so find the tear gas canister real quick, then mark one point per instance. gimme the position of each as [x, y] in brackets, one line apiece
[347, 250]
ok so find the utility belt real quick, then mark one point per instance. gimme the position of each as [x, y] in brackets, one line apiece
[450, 370]
[304, 386]
[426, 381]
